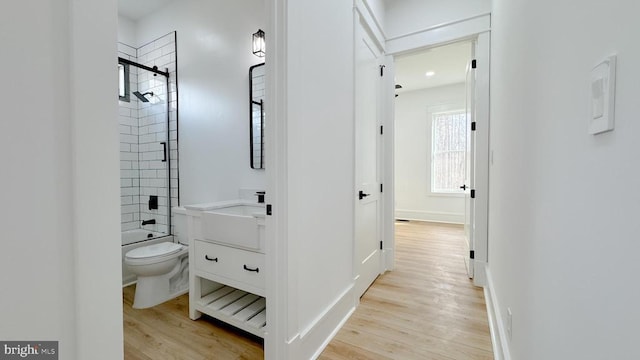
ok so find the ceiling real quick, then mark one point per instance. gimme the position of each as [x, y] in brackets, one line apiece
[137, 9]
[448, 62]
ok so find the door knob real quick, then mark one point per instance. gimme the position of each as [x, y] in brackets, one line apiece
[362, 195]
[463, 187]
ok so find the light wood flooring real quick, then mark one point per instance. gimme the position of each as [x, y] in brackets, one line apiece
[427, 308]
[165, 332]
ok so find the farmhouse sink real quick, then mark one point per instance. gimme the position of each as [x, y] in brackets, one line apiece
[241, 210]
[236, 225]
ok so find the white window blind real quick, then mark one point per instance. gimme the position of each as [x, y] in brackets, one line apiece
[448, 152]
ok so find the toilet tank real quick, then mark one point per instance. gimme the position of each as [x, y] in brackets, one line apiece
[179, 225]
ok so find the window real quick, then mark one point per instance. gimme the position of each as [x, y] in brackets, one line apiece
[123, 82]
[448, 162]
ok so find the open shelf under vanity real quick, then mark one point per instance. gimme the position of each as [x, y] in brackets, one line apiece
[239, 308]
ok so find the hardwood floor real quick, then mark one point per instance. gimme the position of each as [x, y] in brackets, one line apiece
[426, 308]
[165, 332]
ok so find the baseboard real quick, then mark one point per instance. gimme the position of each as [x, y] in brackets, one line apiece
[431, 216]
[310, 343]
[496, 323]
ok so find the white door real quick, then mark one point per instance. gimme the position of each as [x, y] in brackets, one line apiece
[469, 184]
[367, 139]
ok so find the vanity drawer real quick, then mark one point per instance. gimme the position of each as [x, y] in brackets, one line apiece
[236, 264]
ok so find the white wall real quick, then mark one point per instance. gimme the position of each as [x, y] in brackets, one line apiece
[318, 169]
[214, 56]
[95, 164]
[37, 232]
[127, 31]
[413, 145]
[564, 205]
[60, 276]
[407, 16]
[320, 146]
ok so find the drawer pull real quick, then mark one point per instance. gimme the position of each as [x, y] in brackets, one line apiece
[210, 259]
[250, 269]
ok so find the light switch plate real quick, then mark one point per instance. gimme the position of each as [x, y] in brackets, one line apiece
[603, 93]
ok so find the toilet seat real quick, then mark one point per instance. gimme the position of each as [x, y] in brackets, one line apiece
[149, 251]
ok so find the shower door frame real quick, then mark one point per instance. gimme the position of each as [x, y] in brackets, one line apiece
[167, 142]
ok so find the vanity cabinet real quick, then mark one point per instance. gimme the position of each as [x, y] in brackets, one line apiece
[241, 269]
[225, 282]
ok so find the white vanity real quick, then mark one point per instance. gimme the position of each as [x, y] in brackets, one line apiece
[226, 263]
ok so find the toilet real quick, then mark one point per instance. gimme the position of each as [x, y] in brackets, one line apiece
[162, 269]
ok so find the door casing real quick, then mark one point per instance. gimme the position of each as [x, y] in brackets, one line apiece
[478, 28]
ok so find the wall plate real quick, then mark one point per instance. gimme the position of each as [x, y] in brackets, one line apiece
[603, 93]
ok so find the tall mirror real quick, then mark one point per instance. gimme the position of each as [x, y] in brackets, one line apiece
[256, 115]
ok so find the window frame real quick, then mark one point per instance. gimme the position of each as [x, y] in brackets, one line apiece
[125, 69]
[456, 192]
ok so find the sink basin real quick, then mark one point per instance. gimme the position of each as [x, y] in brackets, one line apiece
[245, 210]
[234, 225]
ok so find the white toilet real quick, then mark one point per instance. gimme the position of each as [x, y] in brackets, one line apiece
[161, 269]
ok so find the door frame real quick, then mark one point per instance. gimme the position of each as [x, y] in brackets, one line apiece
[477, 27]
[470, 107]
[362, 23]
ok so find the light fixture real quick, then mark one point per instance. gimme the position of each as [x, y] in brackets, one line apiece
[429, 73]
[258, 43]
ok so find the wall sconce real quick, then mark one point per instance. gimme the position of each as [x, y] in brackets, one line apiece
[258, 43]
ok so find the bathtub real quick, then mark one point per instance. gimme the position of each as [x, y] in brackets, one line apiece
[132, 239]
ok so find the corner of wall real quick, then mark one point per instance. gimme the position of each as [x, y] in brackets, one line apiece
[97, 255]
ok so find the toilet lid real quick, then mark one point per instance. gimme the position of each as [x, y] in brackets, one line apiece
[164, 248]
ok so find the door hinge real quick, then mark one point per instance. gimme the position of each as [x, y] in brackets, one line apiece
[269, 209]
[381, 129]
[473, 193]
[472, 254]
[380, 244]
[381, 70]
[473, 126]
[473, 64]
[380, 187]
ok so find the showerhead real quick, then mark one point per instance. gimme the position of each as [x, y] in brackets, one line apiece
[142, 96]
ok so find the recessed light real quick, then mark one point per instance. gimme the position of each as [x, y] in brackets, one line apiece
[429, 73]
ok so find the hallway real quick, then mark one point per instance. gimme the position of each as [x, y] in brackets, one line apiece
[426, 308]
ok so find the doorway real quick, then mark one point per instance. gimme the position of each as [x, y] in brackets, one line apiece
[433, 147]
[473, 197]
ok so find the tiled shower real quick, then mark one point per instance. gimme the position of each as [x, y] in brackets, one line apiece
[149, 137]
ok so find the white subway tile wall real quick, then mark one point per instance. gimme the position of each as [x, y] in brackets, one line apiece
[145, 171]
[129, 164]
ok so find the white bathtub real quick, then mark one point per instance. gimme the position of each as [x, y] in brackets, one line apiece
[134, 236]
[132, 239]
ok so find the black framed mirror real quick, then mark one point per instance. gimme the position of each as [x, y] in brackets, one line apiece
[256, 115]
